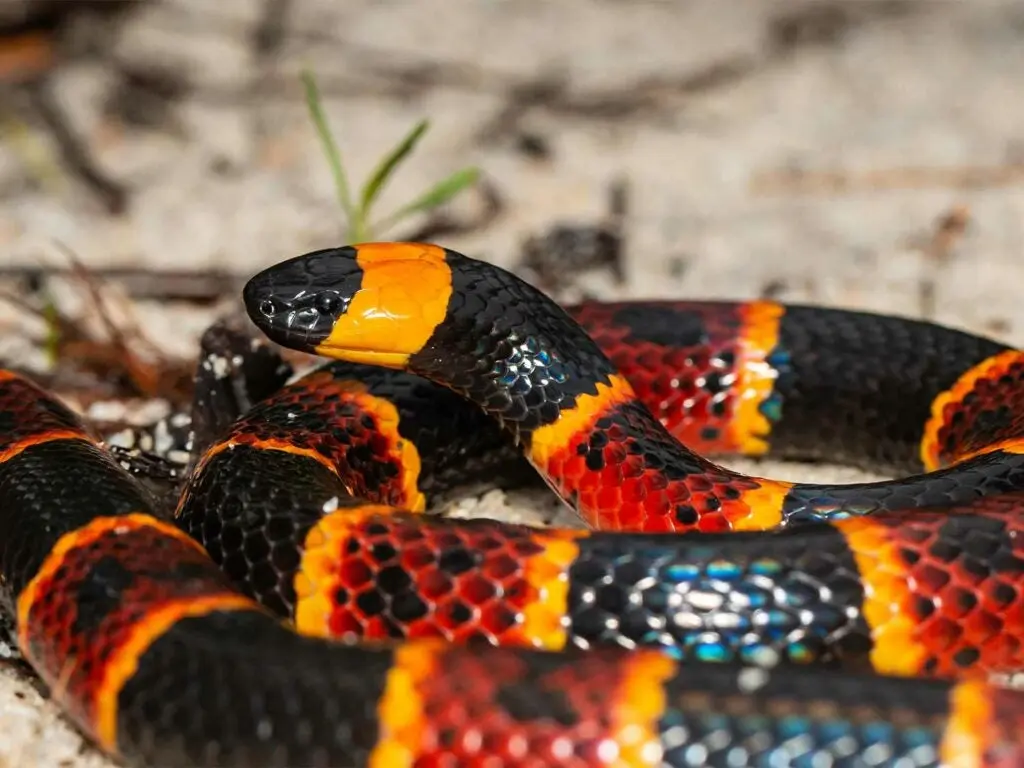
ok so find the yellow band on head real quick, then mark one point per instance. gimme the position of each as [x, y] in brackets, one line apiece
[403, 298]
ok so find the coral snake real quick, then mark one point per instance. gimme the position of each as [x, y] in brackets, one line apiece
[299, 607]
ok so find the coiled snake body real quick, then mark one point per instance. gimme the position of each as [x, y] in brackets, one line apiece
[702, 616]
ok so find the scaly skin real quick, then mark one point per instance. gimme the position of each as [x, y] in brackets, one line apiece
[479, 331]
[805, 596]
[310, 504]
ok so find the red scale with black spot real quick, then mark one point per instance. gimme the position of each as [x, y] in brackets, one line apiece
[504, 708]
[681, 361]
[359, 444]
[631, 477]
[88, 608]
[401, 579]
[980, 413]
[966, 582]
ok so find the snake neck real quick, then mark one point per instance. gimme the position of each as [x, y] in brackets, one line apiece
[513, 352]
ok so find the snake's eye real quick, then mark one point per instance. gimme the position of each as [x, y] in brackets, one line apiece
[270, 307]
[327, 303]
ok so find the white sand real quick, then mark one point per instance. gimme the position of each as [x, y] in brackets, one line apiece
[937, 88]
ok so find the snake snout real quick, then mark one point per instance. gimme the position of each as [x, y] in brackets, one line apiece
[297, 302]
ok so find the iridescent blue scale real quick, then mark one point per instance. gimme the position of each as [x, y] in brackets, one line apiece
[752, 596]
[724, 570]
[724, 601]
[765, 567]
[800, 653]
[790, 727]
[713, 652]
[681, 573]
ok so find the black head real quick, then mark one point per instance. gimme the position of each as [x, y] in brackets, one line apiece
[297, 302]
[375, 303]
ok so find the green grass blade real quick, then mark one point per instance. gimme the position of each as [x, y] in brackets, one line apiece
[316, 111]
[388, 165]
[437, 195]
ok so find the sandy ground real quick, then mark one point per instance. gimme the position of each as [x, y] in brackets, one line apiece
[722, 117]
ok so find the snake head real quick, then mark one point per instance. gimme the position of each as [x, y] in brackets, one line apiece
[375, 303]
[297, 302]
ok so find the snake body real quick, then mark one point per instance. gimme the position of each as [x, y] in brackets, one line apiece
[700, 617]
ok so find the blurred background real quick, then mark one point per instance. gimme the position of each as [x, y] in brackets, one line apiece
[155, 153]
